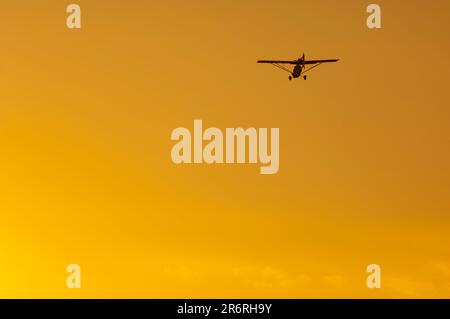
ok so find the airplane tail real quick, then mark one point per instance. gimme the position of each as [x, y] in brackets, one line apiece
[302, 59]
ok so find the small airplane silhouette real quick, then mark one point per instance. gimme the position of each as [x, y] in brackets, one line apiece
[300, 66]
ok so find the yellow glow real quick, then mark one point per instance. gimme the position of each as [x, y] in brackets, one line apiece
[86, 175]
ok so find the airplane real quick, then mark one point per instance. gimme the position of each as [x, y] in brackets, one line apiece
[300, 66]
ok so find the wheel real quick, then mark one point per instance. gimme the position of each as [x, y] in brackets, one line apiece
[290, 78]
[305, 77]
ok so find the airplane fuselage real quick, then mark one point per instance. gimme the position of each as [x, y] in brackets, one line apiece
[297, 71]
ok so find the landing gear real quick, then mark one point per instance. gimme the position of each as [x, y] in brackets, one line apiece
[305, 77]
[290, 78]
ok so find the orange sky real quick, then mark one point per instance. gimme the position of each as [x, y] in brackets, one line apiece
[86, 174]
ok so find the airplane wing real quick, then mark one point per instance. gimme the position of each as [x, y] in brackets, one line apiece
[277, 62]
[297, 61]
[320, 61]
